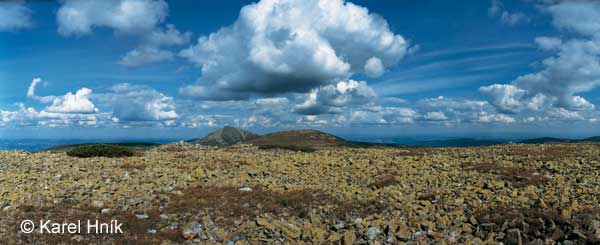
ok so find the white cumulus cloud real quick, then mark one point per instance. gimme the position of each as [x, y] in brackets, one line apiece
[374, 67]
[578, 16]
[435, 116]
[139, 103]
[14, 15]
[68, 103]
[126, 16]
[548, 43]
[507, 98]
[330, 98]
[281, 46]
[141, 18]
[574, 69]
[145, 55]
[73, 103]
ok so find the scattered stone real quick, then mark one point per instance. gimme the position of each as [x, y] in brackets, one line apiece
[373, 232]
[292, 231]
[97, 204]
[445, 195]
[349, 237]
[141, 216]
[513, 236]
[77, 238]
[191, 230]
[404, 234]
[334, 237]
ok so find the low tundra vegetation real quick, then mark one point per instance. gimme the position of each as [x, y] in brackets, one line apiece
[100, 150]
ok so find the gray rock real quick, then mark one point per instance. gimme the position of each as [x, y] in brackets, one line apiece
[141, 216]
[513, 236]
[373, 232]
[191, 230]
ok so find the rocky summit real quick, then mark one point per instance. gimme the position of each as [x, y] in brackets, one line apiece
[185, 193]
[225, 136]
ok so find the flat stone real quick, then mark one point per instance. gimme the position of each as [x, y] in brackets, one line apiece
[349, 237]
[191, 230]
[513, 236]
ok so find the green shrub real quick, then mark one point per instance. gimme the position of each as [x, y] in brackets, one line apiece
[100, 150]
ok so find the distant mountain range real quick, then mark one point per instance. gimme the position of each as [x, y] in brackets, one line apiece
[308, 140]
[298, 140]
[135, 146]
[461, 142]
[545, 140]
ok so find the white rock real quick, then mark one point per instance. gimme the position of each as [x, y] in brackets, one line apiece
[141, 216]
[97, 204]
[245, 189]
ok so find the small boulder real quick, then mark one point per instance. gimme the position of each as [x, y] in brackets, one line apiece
[191, 230]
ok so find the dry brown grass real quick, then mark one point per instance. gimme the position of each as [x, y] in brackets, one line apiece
[416, 152]
[233, 204]
[382, 181]
[132, 166]
[135, 230]
[229, 204]
[547, 153]
[517, 175]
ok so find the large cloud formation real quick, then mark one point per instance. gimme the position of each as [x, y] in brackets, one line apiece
[78, 103]
[124, 105]
[282, 46]
[127, 17]
[62, 110]
[139, 103]
[330, 98]
[14, 15]
[150, 51]
[574, 69]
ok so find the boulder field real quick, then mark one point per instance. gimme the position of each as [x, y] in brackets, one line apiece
[183, 193]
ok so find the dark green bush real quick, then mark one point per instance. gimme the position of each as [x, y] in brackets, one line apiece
[100, 150]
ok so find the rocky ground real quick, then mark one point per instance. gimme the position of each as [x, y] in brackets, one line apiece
[529, 194]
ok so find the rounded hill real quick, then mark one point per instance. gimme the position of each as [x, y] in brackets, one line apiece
[302, 140]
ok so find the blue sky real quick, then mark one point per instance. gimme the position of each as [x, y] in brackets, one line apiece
[178, 69]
